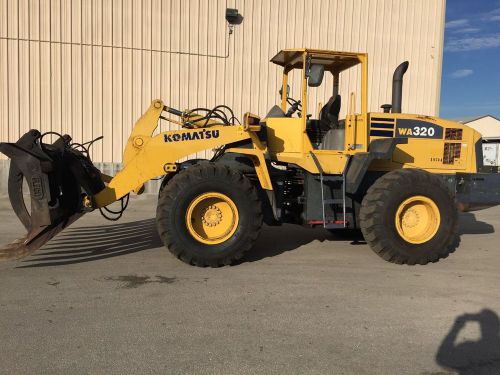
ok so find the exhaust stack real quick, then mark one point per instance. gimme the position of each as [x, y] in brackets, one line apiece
[397, 86]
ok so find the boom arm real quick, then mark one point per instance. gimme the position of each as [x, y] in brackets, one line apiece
[147, 157]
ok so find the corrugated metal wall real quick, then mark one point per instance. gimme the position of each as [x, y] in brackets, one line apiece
[91, 67]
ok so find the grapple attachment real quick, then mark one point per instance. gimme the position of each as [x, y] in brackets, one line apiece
[58, 177]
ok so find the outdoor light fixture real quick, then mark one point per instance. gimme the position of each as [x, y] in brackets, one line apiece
[233, 17]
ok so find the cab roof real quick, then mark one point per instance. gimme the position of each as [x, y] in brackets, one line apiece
[333, 61]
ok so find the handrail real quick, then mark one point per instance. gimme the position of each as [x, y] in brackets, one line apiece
[352, 121]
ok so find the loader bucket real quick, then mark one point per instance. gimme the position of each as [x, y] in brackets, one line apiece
[58, 177]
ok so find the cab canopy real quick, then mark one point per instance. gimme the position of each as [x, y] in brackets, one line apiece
[333, 61]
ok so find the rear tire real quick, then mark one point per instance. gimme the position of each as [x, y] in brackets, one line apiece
[409, 216]
[209, 215]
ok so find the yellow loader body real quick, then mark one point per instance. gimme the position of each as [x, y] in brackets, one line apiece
[398, 177]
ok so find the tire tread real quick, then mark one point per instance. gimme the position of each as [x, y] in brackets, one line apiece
[371, 216]
[193, 175]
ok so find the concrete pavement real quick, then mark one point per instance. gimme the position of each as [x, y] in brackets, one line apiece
[106, 297]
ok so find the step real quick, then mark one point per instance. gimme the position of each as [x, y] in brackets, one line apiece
[330, 223]
[335, 226]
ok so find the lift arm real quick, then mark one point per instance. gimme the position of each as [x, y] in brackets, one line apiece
[147, 156]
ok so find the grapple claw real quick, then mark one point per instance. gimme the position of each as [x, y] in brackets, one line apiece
[58, 176]
[15, 250]
[23, 247]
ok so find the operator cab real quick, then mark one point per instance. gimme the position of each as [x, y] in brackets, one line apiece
[327, 130]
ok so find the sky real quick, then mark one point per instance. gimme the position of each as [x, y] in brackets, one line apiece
[471, 63]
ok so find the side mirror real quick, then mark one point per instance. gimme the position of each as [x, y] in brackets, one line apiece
[287, 91]
[315, 74]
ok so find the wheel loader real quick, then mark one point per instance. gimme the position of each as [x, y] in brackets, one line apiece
[399, 178]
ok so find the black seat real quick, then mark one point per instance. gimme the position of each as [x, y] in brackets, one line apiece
[327, 122]
[275, 111]
[333, 140]
[329, 114]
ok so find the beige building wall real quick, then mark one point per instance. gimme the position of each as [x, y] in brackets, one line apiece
[91, 67]
[488, 126]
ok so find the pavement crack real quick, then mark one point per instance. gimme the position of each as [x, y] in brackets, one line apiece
[53, 283]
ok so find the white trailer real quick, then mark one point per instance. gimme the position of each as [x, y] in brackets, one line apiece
[491, 154]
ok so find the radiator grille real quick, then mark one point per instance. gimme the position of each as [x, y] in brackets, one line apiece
[453, 134]
[451, 152]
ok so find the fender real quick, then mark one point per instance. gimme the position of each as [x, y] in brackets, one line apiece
[257, 156]
[179, 167]
[379, 149]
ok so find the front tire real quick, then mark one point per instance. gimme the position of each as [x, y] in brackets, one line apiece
[209, 215]
[409, 216]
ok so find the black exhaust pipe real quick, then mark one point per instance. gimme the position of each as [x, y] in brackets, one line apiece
[397, 86]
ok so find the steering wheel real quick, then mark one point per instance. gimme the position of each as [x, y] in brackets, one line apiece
[295, 105]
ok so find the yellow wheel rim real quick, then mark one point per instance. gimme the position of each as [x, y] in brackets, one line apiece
[212, 218]
[417, 219]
